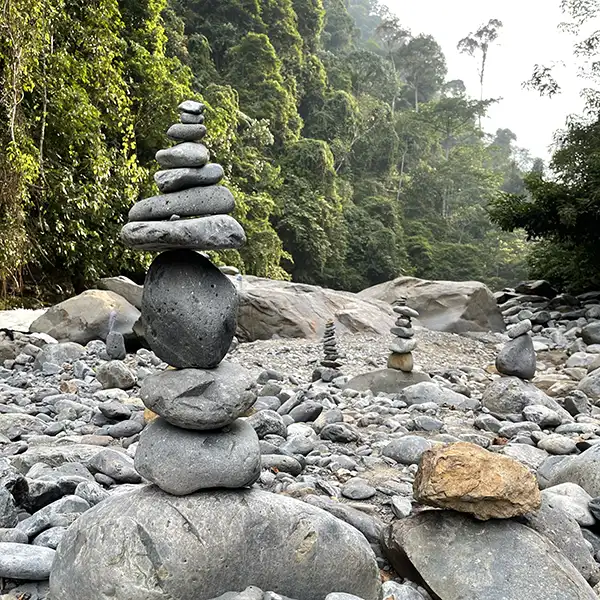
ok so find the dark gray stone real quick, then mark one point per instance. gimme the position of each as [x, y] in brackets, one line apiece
[197, 398]
[584, 470]
[113, 409]
[340, 432]
[115, 345]
[187, 154]
[192, 107]
[407, 450]
[358, 489]
[215, 232]
[307, 411]
[268, 422]
[186, 132]
[150, 545]
[21, 561]
[53, 515]
[459, 557]
[191, 119]
[182, 461]
[125, 429]
[173, 180]
[517, 358]
[189, 310]
[281, 462]
[210, 200]
[590, 334]
[91, 492]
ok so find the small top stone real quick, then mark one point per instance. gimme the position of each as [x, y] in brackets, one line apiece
[191, 106]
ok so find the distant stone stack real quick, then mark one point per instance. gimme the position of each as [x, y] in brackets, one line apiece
[332, 358]
[517, 357]
[401, 357]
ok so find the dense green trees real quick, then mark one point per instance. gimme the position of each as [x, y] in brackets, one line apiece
[351, 158]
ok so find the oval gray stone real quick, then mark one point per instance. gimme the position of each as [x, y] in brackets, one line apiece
[147, 544]
[209, 200]
[198, 398]
[218, 232]
[188, 118]
[191, 106]
[186, 132]
[189, 310]
[459, 557]
[183, 461]
[173, 180]
[22, 561]
[188, 154]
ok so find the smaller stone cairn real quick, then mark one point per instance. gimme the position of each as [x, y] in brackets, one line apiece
[115, 342]
[401, 357]
[517, 357]
[332, 358]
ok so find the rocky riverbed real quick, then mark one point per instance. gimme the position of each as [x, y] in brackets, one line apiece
[71, 418]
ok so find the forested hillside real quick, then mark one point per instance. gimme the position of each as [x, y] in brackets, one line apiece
[351, 156]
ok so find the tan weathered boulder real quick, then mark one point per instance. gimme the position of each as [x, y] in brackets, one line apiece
[270, 308]
[454, 306]
[466, 478]
[131, 291]
[85, 317]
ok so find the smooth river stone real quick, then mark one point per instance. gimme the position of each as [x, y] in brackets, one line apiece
[173, 180]
[217, 232]
[147, 545]
[199, 398]
[183, 461]
[189, 310]
[188, 154]
[186, 132]
[210, 200]
[190, 119]
[191, 106]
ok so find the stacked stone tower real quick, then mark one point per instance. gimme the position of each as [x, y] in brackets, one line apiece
[332, 357]
[189, 316]
[517, 357]
[401, 357]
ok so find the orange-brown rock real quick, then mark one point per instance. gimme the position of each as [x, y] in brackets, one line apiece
[466, 478]
[401, 362]
[149, 415]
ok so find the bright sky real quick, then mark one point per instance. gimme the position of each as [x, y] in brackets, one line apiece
[529, 36]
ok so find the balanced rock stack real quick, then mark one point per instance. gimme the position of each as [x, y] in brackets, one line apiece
[332, 358]
[517, 357]
[186, 536]
[401, 357]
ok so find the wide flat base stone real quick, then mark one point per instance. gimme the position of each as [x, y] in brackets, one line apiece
[388, 381]
[147, 545]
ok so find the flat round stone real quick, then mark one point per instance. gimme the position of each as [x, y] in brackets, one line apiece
[406, 311]
[210, 200]
[189, 310]
[217, 232]
[189, 118]
[186, 132]
[173, 180]
[182, 461]
[402, 332]
[191, 106]
[188, 154]
[403, 345]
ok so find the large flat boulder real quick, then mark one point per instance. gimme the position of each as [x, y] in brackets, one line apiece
[270, 308]
[85, 317]
[459, 557]
[148, 544]
[453, 306]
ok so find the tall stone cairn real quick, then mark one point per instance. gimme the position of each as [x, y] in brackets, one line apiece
[332, 358]
[517, 357]
[189, 310]
[401, 357]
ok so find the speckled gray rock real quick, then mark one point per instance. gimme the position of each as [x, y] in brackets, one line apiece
[591, 333]
[115, 345]
[459, 557]
[590, 385]
[584, 470]
[186, 132]
[182, 461]
[191, 119]
[215, 232]
[115, 374]
[209, 200]
[21, 561]
[395, 591]
[58, 354]
[150, 545]
[198, 398]
[113, 464]
[267, 422]
[187, 154]
[173, 180]
[50, 538]
[189, 309]
[8, 510]
[517, 358]
[521, 328]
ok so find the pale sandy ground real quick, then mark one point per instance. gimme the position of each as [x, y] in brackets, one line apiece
[19, 319]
